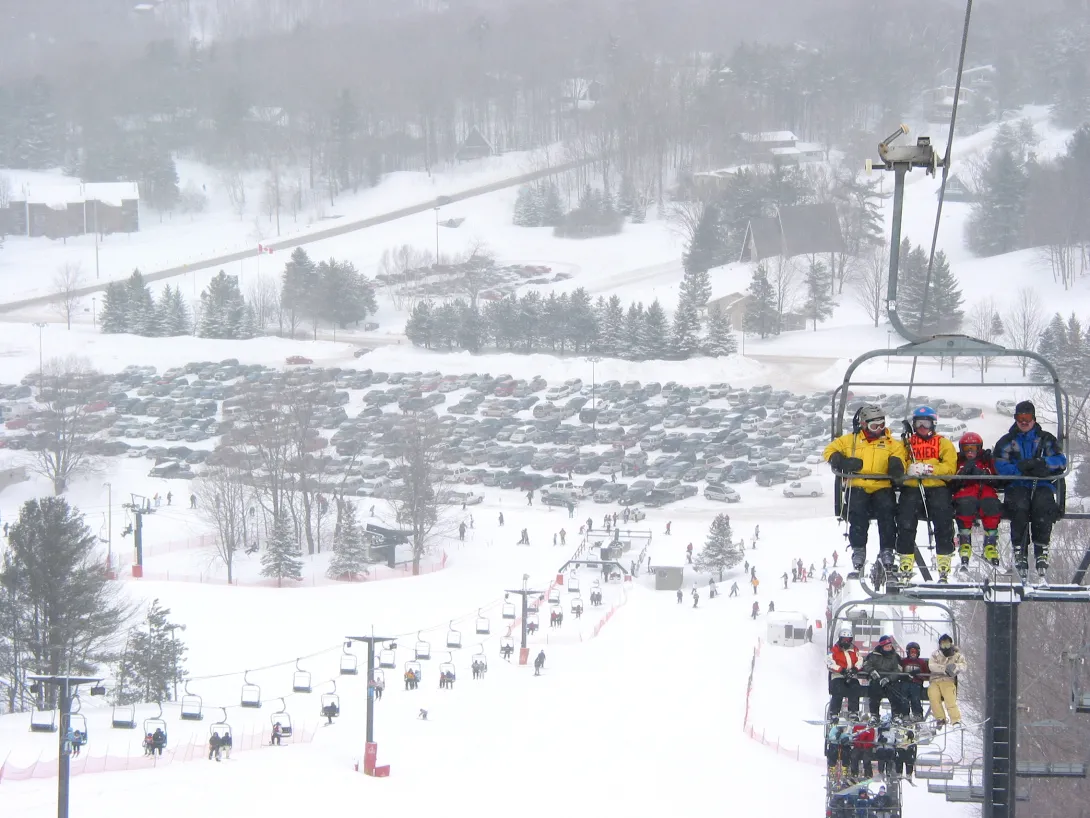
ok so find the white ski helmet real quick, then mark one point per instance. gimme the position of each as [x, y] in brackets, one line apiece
[845, 632]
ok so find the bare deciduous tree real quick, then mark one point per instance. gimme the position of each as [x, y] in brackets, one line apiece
[263, 295]
[783, 277]
[234, 187]
[272, 194]
[477, 263]
[870, 280]
[1025, 322]
[982, 325]
[66, 283]
[223, 498]
[684, 218]
[67, 385]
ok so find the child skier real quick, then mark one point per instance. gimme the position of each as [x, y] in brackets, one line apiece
[975, 499]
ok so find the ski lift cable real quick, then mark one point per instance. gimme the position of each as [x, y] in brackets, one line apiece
[946, 162]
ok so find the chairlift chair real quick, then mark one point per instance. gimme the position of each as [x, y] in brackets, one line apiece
[43, 721]
[447, 667]
[350, 663]
[423, 649]
[454, 638]
[77, 722]
[191, 706]
[221, 727]
[508, 611]
[507, 642]
[331, 702]
[387, 657]
[251, 693]
[554, 596]
[532, 618]
[378, 676]
[479, 657]
[576, 602]
[414, 667]
[156, 722]
[482, 625]
[283, 718]
[573, 585]
[123, 717]
[300, 682]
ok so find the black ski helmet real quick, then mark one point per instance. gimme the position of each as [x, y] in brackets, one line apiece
[913, 646]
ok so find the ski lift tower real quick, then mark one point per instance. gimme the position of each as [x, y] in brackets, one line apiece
[370, 754]
[67, 690]
[139, 506]
[525, 592]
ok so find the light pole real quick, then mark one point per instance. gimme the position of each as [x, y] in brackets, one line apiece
[437, 235]
[94, 323]
[109, 529]
[174, 654]
[594, 359]
[68, 686]
[41, 325]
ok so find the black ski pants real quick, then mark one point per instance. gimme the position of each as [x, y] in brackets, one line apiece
[882, 506]
[906, 760]
[939, 509]
[1031, 512]
[840, 689]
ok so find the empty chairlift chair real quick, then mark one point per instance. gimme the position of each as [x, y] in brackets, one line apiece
[482, 626]
[191, 706]
[454, 638]
[251, 693]
[283, 718]
[508, 611]
[43, 721]
[573, 584]
[387, 657]
[123, 717]
[423, 649]
[350, 663]
[300, 681]
[554, 596]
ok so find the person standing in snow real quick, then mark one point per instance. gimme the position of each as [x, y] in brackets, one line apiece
[680, 596]
[756, 610]
[733, 590]
[539, 663]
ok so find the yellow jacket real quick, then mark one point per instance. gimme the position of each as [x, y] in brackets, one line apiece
[875, 455]
[936, 450]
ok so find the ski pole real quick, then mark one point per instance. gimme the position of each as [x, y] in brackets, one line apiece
[905, 435]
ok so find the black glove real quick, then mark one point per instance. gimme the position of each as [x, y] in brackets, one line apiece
[896, 468]
[843, 463]
[951, 670]
[875, 675]
[914, 671]
[850, 673]
[971, 467]
[1033, 467]
[883, 681]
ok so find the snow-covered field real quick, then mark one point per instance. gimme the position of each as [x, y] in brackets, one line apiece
[641, 714]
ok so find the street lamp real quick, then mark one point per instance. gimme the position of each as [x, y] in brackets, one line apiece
[109, 529]
[41, 325]
[437, 235]
[594, 359]
[94, 323]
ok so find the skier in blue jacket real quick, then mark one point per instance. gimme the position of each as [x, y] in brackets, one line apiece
[1028, 450]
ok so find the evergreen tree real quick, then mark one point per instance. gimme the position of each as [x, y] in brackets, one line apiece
[158, 177]
[655, 340]
[115, 308]
[719, 338]
[152, 661]
[611, 323]
[299, 286]
[997, 222]
[345, 295]
[686, 330]
[281, 558]
[224, 312]
[419, 327]
[1053, 340]
[629, 202]
[140, 315]
[552, 210]
[177, 318]
[36, 127]
[471, 329]
[346, 127]
[582, 320]
[707, 248]
[630, 346]
[65, 611]
[720, 551]
[528, 207]
[696, 289]
[760, 314]
[819, 302]
[350, 550]
[996, 330]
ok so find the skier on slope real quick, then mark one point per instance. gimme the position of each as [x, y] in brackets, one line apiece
[844, 663]
[930, 456]
[883, 667]
[976, 499]
[539, 663]
[945, 664]
[1028, 450]
[869, 449]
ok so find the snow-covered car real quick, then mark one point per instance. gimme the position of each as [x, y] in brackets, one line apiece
[803, 488]
[1005, 407]
[722, 494]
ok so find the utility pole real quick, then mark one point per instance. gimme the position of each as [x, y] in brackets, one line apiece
[41, 325]
[67, 689]
[109, 529]
[594, 359]
[525, 593]
[139, 507]
[371, 749]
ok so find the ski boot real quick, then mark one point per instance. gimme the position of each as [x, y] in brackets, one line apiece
[1042, 562]
[859, 559]
[1021, 563]
[944, 567]
[965, 549]
[906, 566]
[991, 547]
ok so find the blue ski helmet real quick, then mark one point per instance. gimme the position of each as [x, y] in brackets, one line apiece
[925, 412]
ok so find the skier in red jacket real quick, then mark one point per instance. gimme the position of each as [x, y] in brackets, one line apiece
[844, 663]
[976, 498]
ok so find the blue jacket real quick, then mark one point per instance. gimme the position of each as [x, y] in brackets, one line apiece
[1016, 445]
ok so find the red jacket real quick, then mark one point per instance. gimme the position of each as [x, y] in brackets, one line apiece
[840, 660]
[863, 737]
[983, 462]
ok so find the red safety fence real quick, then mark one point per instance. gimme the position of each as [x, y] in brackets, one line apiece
[195, 749]
[760, 735]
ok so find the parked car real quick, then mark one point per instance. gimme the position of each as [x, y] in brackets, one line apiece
[722, 494]
[803, 488]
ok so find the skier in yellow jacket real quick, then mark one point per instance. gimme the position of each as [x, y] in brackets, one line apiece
[869, 449]
[946, 665]
[930, 457]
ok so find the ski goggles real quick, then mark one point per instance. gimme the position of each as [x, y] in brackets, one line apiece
[1024, 417]
[926, 423]
[875, 426]
[970, 448]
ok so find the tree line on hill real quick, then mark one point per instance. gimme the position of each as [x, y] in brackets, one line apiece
[572, 322]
